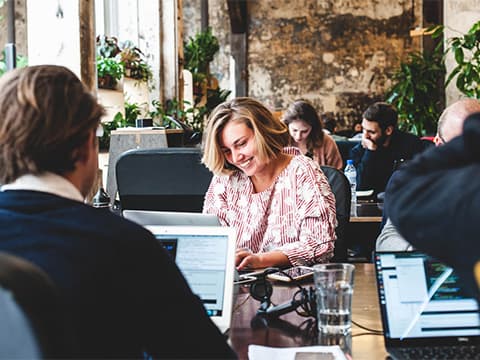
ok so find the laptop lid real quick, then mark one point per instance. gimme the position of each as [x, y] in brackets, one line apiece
[145, 217]
[422, 302]
[206, 257]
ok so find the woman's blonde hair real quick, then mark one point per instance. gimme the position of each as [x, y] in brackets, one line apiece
[271, 135]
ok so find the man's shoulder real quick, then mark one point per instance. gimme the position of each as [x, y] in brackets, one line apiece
[407, 137]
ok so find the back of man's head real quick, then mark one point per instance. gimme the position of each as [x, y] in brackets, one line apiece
[382, 113]
[47, 113]
[450, 123]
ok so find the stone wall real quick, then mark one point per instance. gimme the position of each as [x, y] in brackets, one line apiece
[337, 53]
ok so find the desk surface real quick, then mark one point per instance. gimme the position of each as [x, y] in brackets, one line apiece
[368, 212]
[365, 311]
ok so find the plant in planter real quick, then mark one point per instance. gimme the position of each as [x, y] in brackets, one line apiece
[466, 51]
[109, 67]
[107, 46]
[417, 92]
[109, 72]
[136, 66]
[132, 111]
[199, 52]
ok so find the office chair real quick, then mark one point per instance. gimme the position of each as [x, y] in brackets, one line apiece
[166, 179]
[33, 322]
[341, 190]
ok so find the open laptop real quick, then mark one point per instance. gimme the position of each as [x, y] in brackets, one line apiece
[425, 309]
[206, 257]
[145, 217]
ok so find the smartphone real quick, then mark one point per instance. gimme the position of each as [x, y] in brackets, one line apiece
[296, 273]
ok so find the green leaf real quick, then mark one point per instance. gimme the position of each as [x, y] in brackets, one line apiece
[459, 55]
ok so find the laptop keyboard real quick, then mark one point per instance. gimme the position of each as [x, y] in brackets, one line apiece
[441, 352]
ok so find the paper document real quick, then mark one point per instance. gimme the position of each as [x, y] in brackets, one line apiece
[257, 352]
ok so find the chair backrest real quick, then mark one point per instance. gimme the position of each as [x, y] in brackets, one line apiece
[33, 316]
[345, 147]
[166, 179]
[341, 190]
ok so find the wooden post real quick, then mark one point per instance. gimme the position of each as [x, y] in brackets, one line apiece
[88, 69]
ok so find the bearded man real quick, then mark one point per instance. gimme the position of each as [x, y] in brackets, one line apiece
[382, 148]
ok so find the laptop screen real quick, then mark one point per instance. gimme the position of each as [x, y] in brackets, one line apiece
[422, 298]
[205, 256]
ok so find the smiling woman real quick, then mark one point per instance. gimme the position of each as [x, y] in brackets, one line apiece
[278, 201]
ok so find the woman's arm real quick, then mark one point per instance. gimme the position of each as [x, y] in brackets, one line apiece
[314, 208]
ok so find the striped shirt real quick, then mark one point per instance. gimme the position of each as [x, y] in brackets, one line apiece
[295, 215]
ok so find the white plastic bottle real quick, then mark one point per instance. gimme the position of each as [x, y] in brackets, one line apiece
[351, 174]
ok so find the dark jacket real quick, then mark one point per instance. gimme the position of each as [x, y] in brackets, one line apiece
[123, 294]
[435, 201]
[374, 168]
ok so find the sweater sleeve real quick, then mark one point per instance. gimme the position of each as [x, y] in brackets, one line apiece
[332, 154]
[316, 217]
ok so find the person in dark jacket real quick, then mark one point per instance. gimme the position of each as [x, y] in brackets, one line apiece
[450, 125]
[123, 295]
[383, 146]
[434, 202]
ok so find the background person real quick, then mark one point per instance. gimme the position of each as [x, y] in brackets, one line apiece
[382, 146]
[450, 125]
[435, 203]
[307, 134]
[280, 203]
[123, 295]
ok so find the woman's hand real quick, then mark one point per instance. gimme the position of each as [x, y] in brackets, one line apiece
[245, 259]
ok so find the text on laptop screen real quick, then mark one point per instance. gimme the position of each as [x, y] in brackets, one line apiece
[202, 260]
[420, 298]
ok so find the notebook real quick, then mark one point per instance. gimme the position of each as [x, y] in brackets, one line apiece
[144, 217]
[424, 307]
[206, 257]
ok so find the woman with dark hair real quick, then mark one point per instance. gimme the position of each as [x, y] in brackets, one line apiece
[307, 134]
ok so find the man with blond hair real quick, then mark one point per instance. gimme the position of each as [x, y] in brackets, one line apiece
[123, 295]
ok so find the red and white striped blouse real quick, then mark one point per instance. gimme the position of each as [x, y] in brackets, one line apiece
[295, 215]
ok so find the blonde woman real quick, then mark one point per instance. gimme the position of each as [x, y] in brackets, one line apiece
[278, 201]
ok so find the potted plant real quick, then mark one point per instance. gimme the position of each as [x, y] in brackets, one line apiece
[417, 92]
[132, 111]
[109, 72]
[136, 66]
[109, 67]
[466, 51]
[199, 52]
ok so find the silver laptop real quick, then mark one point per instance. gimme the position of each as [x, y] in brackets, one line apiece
[425, 309]
[206, 257]
[144, 217]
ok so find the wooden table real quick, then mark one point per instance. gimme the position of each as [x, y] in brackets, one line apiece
[365, 311]
[368, 212]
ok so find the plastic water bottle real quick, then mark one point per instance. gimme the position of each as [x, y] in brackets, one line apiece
[351, 174]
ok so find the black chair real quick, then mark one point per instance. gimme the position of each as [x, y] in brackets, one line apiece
[33, 323]
[341, 190]
[345, 147]
[165, 179]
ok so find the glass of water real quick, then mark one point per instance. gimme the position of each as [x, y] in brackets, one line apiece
[334, 290]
